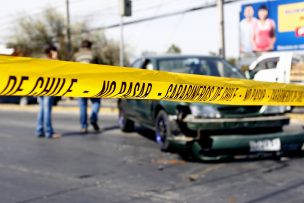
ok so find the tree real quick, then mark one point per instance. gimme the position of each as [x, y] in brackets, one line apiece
[174, 49]
[30, 35]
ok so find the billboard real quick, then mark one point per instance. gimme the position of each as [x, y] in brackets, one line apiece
[276, 25]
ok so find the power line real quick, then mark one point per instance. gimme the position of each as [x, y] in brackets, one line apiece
[83, 7]
[112, 10]
[95, 13]
[151, 7]
[198, 8]
[142, 35]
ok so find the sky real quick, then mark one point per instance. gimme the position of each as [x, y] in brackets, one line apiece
[195, 33]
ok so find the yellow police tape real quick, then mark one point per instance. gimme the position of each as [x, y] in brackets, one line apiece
[38, 77]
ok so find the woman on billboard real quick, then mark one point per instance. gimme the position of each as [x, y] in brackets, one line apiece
[263, 37]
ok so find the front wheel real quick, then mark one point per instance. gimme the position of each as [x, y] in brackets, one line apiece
[163, 130]
[124, 123]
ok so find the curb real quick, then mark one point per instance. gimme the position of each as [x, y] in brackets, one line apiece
[56, 109]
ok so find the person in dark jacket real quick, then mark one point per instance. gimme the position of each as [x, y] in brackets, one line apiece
[85, 55]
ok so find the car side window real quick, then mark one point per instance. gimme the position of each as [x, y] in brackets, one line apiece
[265, 65]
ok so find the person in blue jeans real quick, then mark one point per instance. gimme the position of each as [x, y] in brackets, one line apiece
[85, 55]
[44, 126]
[83, 104]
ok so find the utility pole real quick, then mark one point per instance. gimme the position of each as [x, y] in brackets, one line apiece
[220, 8]
[68, 29]
[125, 10]
[121, 43]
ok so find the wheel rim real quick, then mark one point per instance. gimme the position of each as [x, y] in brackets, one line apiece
[161, 133]
[121, 118]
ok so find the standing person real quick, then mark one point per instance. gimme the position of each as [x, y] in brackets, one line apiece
[44, 126]
[85, 55]
[263, 38]
[246, 30]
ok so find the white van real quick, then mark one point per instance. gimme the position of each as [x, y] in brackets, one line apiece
[285, 67]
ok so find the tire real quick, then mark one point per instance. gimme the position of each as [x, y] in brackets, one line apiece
[124, 123]
[163, 130]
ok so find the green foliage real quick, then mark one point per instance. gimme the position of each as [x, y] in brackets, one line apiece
[30, 34]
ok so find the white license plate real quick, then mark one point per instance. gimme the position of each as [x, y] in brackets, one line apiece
[265, 145]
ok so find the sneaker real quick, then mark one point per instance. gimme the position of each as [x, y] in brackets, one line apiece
[54, 136]
[40, 136]
[95, 126]
[83, 130]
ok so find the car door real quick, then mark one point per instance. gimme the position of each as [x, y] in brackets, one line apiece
[143, 107]
[130, 105]
[272, 70]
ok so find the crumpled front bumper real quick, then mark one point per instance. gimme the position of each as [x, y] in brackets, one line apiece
[222, 145]
[235, 123]
[240, 144]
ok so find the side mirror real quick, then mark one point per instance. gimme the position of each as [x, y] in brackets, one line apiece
[250, 74]
[247, 74]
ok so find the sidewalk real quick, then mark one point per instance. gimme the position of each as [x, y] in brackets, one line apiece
[108, 106]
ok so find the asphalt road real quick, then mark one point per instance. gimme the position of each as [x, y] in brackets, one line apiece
[115, 167]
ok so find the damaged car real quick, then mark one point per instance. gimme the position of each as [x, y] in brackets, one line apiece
[207, 131]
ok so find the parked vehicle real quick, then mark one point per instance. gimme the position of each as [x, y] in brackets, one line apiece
[18, 100]
[286, 67]
[22, 101]
[207, 131]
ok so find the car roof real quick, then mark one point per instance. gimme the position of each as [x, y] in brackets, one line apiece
[175, 56]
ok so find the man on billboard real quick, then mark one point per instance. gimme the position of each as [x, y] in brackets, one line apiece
[263, 37]
[246, 30]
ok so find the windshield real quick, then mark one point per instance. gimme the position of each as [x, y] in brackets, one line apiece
[200, 66]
